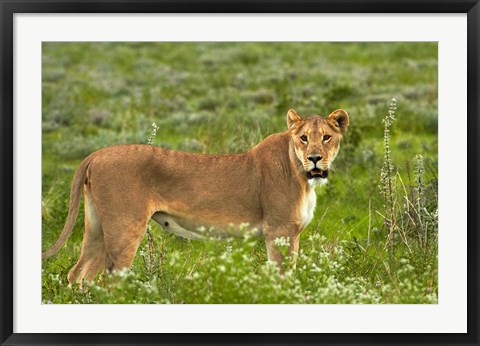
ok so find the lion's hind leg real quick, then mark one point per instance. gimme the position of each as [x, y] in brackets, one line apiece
[123, 229]
[93, 253]
[122, 242]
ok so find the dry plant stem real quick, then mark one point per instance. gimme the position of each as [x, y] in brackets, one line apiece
[388, 185]
[151, 249]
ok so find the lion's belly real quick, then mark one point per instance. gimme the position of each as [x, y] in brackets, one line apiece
[191, 229]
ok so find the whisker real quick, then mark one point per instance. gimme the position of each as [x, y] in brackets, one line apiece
[301, 169]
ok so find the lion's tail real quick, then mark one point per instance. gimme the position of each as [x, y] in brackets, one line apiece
[75, 194]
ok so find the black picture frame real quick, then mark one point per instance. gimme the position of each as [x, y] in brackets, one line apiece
[10, 7]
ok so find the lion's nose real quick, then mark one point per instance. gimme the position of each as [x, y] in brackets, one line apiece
[314, 158]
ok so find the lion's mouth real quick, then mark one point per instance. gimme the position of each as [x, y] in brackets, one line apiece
[317, 173]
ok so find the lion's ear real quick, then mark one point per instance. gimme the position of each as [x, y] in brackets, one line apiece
[293, 119]
[339, 119]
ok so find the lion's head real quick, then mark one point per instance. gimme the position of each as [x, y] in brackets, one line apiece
[316, 140]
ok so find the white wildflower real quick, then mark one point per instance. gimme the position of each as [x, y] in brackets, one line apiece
[282, 242]
[153, 133]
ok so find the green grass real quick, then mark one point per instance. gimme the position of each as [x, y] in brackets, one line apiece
[225, 98]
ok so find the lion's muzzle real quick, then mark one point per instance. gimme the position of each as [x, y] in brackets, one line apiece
[317, 173]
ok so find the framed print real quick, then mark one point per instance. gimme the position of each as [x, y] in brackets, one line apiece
[236, 173]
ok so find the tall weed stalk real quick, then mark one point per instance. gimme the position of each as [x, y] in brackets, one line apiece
[410, 212]
[387, 176]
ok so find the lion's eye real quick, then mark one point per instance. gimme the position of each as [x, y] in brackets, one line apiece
[304, 138]
[326, 137]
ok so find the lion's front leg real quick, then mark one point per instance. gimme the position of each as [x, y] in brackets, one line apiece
[281, 244]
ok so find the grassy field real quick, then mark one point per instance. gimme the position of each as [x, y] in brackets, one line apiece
[367, 243]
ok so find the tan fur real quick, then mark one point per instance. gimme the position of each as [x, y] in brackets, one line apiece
[266, 187]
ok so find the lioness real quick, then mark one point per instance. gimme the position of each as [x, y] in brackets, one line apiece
[270, 187]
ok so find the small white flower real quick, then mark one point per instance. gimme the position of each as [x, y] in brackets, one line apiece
[282, 242]
[153, 133]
